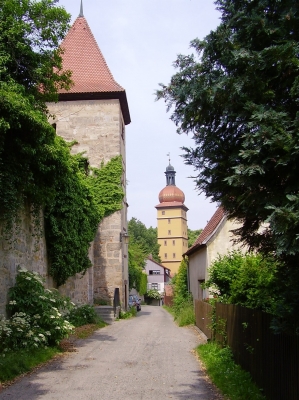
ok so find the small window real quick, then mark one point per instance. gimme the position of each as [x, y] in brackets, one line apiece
[173, 255]
[165, 255]
[155, 286]
[156, 272]
[165, 242]
[163, 212]
[173, 242]
[169, 232]
[150, 272]
[169, 221]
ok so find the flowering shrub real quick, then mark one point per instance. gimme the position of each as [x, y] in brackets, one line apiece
[153, 294]
[38, 314]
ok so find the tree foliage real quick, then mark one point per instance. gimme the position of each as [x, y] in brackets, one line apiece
[193, 235]
[146, 237]
[249, 280]
[30, 73]
[137, 260]
[238, 97]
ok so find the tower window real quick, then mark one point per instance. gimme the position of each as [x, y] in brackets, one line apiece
[163, 212]
[165, 242]
[169, 221]
[173, 242]
[165, 255]
[173, 255]
[169, 232]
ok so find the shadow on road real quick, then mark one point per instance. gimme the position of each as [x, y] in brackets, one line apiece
[202, 390]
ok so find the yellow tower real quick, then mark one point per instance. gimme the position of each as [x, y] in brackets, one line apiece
[172, 223]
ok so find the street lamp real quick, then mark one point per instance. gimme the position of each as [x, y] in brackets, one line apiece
[124, 237]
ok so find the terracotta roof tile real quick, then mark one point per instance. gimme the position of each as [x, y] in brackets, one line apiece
[208, 230]
[90, 72]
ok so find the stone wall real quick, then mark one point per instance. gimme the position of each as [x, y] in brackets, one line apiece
[25, 249]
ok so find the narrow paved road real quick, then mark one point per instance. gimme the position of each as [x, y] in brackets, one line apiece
[147, 357]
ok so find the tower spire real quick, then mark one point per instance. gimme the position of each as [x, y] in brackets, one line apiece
[81, 9]
[170, 174]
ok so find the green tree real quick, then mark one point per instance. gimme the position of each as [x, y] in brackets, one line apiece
[30, 74]
[146, 237]
[249, 280]
[238, 96]
[137, 260]
[192, 236]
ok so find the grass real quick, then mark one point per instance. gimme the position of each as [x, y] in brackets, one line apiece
[22, 361]
[229, 377]
[169, 309]
[184, 315]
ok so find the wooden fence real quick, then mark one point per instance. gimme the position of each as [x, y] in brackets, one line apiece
[272, 360]
[203, 321]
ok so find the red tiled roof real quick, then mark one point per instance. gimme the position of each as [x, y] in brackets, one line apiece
[82, 56]
[208, 230]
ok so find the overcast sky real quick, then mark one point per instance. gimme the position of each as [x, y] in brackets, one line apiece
[140, 40]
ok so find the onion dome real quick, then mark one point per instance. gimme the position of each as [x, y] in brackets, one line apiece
[171, 193]
[169, 168]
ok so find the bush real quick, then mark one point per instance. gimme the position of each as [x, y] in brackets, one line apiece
[83, 315]
[132, 312]
[153, 294]
[183, 308]
[249, 280]
[37, 314]
[185, 314]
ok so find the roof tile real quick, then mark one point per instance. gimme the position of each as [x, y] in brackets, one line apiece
[208, 230]
[90, 72]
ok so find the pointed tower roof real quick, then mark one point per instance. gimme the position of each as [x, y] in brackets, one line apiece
[90, 73]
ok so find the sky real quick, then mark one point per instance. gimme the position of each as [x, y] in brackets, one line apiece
[140, 40]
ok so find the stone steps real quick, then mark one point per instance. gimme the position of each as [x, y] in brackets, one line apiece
[107, 313]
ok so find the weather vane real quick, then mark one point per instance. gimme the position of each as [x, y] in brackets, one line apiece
[168, 155]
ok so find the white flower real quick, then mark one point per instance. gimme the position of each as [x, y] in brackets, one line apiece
[54, 301]
[12, 302]
[41, 335]
[28, 278]
[52, 316]
[36, 339]
[57, 327]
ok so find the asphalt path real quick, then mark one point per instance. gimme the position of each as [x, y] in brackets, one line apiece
[147, 357]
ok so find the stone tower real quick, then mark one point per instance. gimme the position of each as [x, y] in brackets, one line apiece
[172, 223]
[94, 113]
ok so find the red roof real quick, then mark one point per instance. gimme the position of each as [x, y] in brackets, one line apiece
[208, 230]
[91, 75]
[90, 72]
